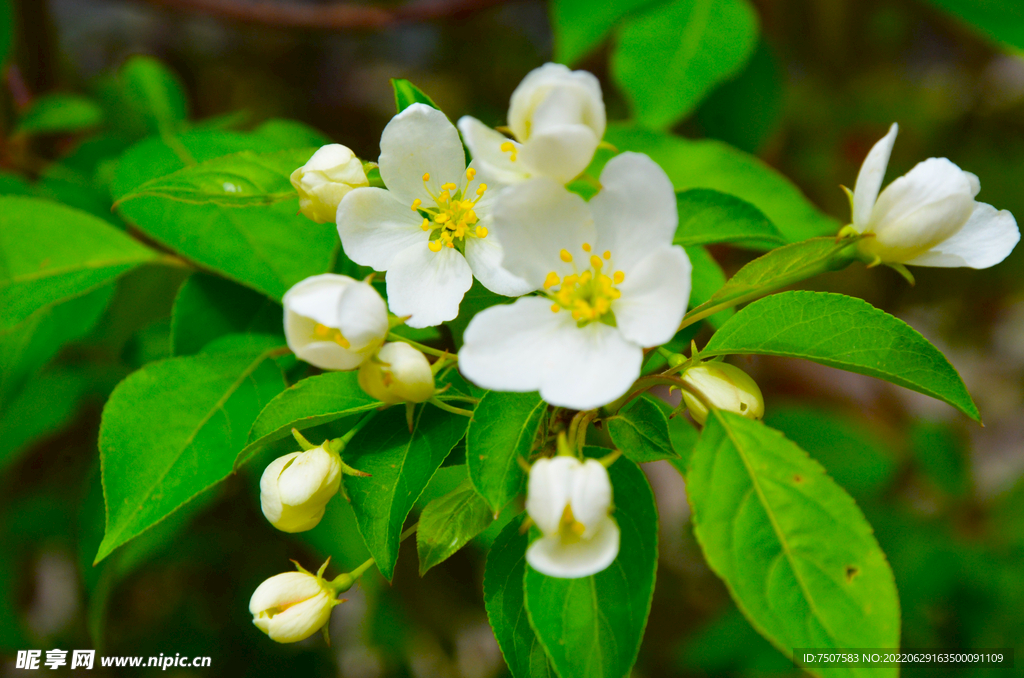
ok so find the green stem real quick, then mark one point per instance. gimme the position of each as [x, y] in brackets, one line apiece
[420, 347]
[408, 533]
[448, 408]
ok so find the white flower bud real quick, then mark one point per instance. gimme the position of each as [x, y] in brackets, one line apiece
[398, 374]
[322, 182]
[927, 217]
[295, 488]
[725, 386]
[569, 501]
[292, 606]
[334, 322]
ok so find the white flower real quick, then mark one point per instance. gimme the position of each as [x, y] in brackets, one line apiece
[557, 118]
[292, 606]
[295, 488]
[725, 386]
[928, 217]
[325, 179]
[428, 230]
[612, 281]
[334, 322]
[399, 374]
[569, 501]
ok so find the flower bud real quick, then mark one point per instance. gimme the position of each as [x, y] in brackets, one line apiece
[322, 182]
[292, 606]
[398, 374]
[334, 322]
[927, 217]
[725, 386]
[569, 501]
[295, 488]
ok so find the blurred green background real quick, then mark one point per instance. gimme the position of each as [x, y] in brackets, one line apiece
[826, 79]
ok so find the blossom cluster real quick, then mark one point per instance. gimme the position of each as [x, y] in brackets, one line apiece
[595, 283]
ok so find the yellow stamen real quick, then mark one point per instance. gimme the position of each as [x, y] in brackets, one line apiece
[321, 330]
[448, 187]
[551, 280]
[596, 262]
[425, 225]
[510, 148]
[426, 177]
[434, 245]
[470, 173]
[555, 308]
[565, 256]
[442, 217]
[416, 204]
[481, 232]
[481, 189]
[586, 247]
[618, 277]
[607, 254]
[450, 244]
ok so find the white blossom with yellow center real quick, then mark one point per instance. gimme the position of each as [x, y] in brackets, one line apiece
[557, 120]
[927, 217]
[334, 322]
[429, 229]
[569, 501]
[610, 280]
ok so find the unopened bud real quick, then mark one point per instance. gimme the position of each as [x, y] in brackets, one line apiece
[292, 606]
[322, 182]
[399, 374]
[295, 488]
[726, 387]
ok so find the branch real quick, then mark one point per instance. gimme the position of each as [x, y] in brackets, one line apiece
[326, 17]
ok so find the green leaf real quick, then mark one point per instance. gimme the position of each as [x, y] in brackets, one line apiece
[407, 94]
[60, 113]
[311, 402]
[268, 248]
[501, 434]
[400, 464]
[580, 25]
[794, 550]
[172, 430]
[855, 456]
[1000, 20]
[705, 280]
[237, 180]
[49, 252]
[155, 93]
[6, 30]
[781, 267]
[640, 430]
[847, 333]
[592, 627]
[504, 599]
[712, 164]
[669, 58]
[283, 133]
[707, 216]
[28, 346]
[448, 523]
[208, 307]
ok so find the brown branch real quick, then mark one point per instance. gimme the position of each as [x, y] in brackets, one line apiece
[326, 17]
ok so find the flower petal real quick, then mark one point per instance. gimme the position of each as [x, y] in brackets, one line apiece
[869, 179]
[552, 95]
[591, 496]
[635, 211]
[362, 316]
[590, 366]
[582, 558]
[484, 256]
[270, 496]
[494, 165]
[427, 285]
[301, 620]
[374, 226]
[548, 491]
[534, 221]
[420, 140]
[928, 203]
[509, 347]
[283, 589]
[561, 152]
[654, 296]
[987, 238]
[315, 476]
